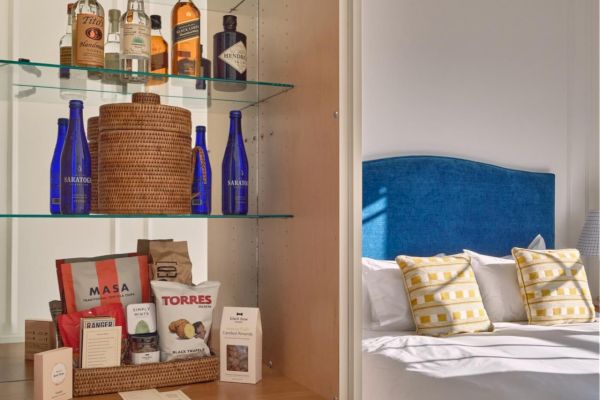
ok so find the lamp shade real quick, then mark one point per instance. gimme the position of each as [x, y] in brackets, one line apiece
[590, 235]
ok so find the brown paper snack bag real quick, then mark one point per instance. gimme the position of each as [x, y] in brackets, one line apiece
[170, 262]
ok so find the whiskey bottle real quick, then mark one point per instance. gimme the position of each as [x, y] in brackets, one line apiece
[135, 41]
[112, 49]
[88, 36]
[235, 170]
[66, 45]
[202, 84]
[202, 184]
[63, 125]
[186, 58]
[75, 166]
[159, 53]
[230, 53]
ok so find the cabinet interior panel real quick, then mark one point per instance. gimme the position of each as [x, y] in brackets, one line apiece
[299, 170]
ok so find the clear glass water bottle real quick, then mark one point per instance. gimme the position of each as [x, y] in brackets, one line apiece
[235, 170]
[63, 126]
[66, 45]
[135, 41]
[75, 166]
[202, 185]
[112, 48]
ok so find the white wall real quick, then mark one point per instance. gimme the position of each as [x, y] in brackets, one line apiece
[509, 82]
[28, 248]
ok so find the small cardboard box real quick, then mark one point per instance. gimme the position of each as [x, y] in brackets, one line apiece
[241, 345]
[40, 335]
[53, 374]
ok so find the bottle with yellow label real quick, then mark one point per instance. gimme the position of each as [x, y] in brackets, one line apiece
[186, 57]
[88, 36]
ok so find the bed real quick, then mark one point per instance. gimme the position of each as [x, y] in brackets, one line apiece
[425, 205]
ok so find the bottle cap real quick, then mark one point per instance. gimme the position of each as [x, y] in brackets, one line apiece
[230, 22]
[76, 104]
[70, 7]
[114, 14]
[63, 121]
[200, 129]
[156, 22]
[235, 114]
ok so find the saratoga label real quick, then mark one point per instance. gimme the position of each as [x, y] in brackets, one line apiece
[187, 30]
[235, 57]
[89, 40]
[135, 41]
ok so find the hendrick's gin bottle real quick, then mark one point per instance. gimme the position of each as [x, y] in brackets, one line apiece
[230, 55]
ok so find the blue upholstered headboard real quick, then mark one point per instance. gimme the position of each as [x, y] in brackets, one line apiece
[424, 205]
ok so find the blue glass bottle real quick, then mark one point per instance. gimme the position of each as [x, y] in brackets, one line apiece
[63, 126]
[75, 166]
[235, 170]
[202, 186]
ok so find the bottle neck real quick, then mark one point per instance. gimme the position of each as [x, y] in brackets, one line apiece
[113, 27]
[69, 23]
[135, 5]
[235, 127]
[200, 139]
[156, 32]
[62, 131]
[230, 28]
[76, 119]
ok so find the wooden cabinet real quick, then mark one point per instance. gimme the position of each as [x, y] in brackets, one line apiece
[293, 258]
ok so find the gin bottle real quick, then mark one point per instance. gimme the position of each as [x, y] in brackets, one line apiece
[235, 170]
[230, 51]
[63, 125]
[202, 186]
[75, 166]
[135, 42]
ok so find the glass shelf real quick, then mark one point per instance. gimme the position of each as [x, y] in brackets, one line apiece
[237, 7]
[144, 216]
[41, 83]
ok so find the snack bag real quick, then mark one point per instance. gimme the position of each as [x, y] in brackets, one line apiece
[170, 262]
[69, 325]
[184, 316]
[85, 283]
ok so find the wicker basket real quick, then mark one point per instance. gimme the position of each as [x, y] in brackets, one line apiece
[145, 158]
[93, 133]
[93, 381]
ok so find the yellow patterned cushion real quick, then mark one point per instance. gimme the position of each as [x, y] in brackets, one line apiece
[444, 296]
[554, 286]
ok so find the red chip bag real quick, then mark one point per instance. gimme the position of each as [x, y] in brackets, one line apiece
[69, 325]
[91, 282]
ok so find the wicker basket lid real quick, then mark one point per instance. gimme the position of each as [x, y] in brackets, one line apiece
[145, 113]
[93, 129]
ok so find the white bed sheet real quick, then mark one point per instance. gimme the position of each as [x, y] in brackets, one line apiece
[517, 361]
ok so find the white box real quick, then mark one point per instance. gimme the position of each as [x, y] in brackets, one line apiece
[241, 345]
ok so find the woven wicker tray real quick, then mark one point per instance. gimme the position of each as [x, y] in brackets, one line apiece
[87, 382]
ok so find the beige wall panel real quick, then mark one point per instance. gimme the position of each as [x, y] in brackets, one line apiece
[299, 168]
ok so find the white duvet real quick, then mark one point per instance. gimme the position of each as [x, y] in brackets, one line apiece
[517, 361]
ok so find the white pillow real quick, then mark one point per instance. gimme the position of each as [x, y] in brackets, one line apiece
[499, 285]
[390, 310]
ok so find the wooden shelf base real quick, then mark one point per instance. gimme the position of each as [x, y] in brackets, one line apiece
[16, 384]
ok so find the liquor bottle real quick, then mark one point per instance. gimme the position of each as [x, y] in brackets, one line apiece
[63, 126]
[135, 41]
[202, 186]
[88, 36]
[202, 84]
[186, 58]
[75, 166]
[66, 46]
[235, 170]
[112, 49]
[230, 55]
[159, 53]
